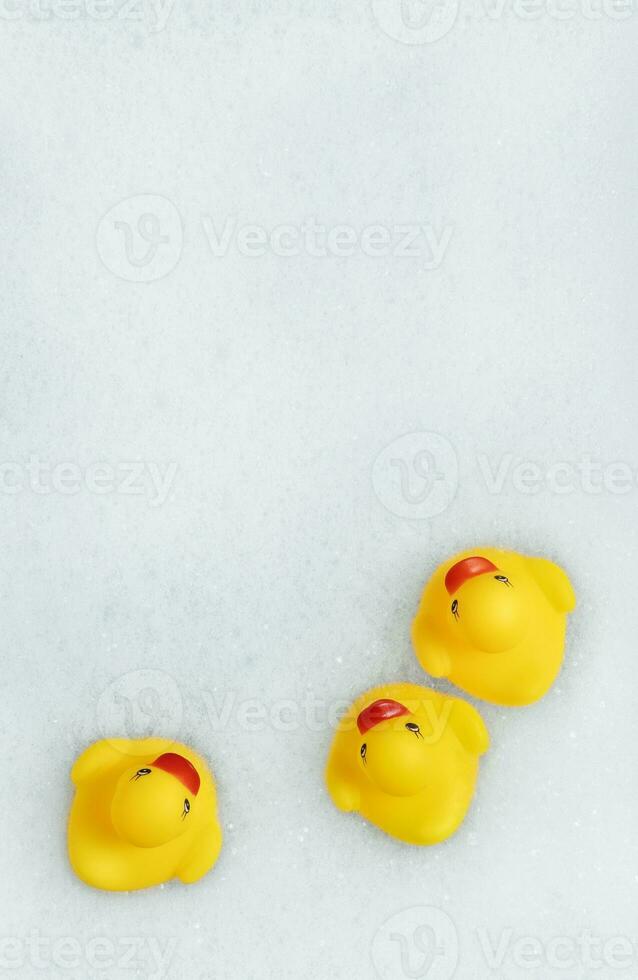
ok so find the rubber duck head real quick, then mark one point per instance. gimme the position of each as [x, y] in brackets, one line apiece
[154, 804]
[393, 751]
[488, 611]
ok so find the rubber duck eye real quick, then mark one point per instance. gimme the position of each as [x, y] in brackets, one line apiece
[141, 772]
[414, 728]
[364, 750]
[455, 608]
[186, 810]
[504, 579]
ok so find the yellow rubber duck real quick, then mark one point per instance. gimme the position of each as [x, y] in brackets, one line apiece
[494, 622]
[406, 758]
[144, 811]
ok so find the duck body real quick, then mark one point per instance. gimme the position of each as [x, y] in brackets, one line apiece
[144, 812]
[493, 622]
[406, 758]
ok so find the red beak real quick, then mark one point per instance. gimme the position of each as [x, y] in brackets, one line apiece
[181, 768]
[379, 711]
[465, 569]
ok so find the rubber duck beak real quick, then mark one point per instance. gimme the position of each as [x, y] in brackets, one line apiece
[465, 569]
